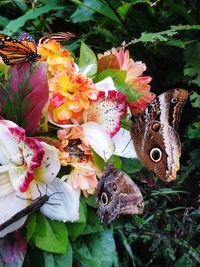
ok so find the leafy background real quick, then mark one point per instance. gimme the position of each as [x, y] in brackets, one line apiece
[165, 35]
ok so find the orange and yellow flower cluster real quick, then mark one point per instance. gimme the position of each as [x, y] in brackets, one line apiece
[70, 91]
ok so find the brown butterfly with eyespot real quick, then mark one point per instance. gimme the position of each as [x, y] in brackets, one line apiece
[154, 134]
[117, 194]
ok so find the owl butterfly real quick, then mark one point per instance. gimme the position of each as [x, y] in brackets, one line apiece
[155, 137]
[117, 194]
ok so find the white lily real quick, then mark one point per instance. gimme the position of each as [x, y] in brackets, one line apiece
[98, 139]
[27, 165]
[123, 144]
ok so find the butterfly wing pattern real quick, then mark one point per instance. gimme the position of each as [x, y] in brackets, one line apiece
[14, 51]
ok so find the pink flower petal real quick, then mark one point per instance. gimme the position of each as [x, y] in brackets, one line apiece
[107, 111]
[29, 157]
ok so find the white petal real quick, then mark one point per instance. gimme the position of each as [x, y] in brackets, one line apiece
[88, 69]
[123, 144]
[10, 205]
[59, 125]
[63, 203]
[106, 85]
[8, 124]
[5, 183]
[98, 139]
[50, 165]
[76, 67]
[8, 145]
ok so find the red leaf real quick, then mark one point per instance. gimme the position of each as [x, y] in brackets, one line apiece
[108, 62]
[12, 250]
[27, 95]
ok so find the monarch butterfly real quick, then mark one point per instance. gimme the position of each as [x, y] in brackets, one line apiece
[13, 50]
[60, 37]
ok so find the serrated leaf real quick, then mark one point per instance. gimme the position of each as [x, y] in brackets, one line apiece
[87, 60]
[59, 260]
[96, 250]
[195, 100]
[12, 250]
[131, 94]
[118, 76]
[49, 235]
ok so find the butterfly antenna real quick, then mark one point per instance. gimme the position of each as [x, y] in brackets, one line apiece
[126, 146]
[55, 193]
[39, 190]
[46, 189]
[24, 198]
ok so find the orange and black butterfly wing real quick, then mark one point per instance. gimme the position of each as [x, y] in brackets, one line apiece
[20, 50]
[28, 42]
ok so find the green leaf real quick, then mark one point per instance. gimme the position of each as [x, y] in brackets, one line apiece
[50, 235]
[59, 260]
[3, 21]
[96, 250]
[123, 10]
[16, 24]
[91, 201]
[76, 228]
[195, 100]
[30, 225]
[125, 7]
[93, 224]
[82, 13]
[87, 60]
[118, 76]
[116, 161]
[131, 165]
[131, 94]
[87, 8]
[192, 59]
[21, 4]
[194, 130]
[98, 160]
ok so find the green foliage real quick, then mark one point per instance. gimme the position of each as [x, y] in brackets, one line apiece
[164, 35]
[96, 250]
[48, 235]
[87, 60]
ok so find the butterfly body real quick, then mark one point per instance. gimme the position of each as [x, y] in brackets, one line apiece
[14, 51]
[154, 134]
[34, 206]
[59, 37]
[117, 194]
